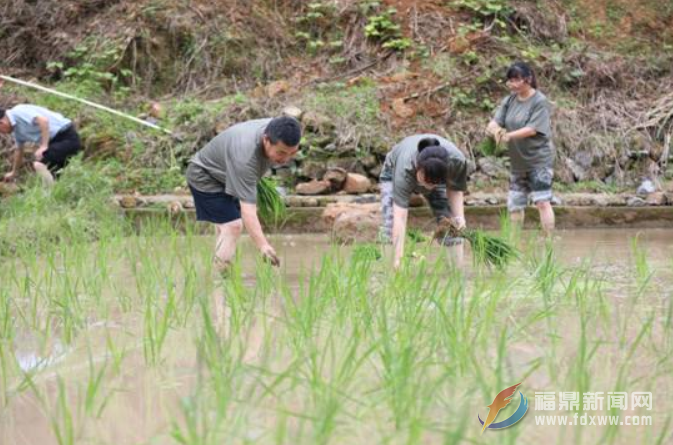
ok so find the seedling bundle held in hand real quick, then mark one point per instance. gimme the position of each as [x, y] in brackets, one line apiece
[487, 248]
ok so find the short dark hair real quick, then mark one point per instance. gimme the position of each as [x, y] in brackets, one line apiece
[432, 159]
[285, 129]
[2, 113]
[521, 70]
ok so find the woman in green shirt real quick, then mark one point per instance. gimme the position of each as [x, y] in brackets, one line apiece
[427, 164]
[522, 121]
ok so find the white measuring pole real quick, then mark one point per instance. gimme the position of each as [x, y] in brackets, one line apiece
[86, 102]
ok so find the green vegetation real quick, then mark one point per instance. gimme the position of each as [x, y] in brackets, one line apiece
[383, 28]
[78, 207]
[319, 29]
[270, 204]
[204, 77]
[336, 348]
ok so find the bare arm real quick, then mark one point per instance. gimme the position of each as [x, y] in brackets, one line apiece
[502, 135]
[455, 199]
[43, 123]
[522, 133]
[17, 161]
[399, 230]
[254, 228]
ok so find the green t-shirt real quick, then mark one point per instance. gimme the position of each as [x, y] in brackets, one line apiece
[400, 168]
[531, 153]
[233, 162]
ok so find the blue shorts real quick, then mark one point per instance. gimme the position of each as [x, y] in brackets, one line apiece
[218, 208]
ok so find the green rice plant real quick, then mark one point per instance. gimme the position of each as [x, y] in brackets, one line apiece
[222, 364]
[66, 301]
[330, 372]
[157, 323]
[509, 230]
[62, 419]
[366, 253]
[488, 249]
[416, 236]
[665, 433]
[342, 351]
[488, 147]
[200, 426]
[270, 204]
[93, 405]
[115, 354]
[626, 365]
[580, 374]
[7, 371]
[546, 272]
[406, 349]
[6, 316]
[315, 295]
[643, 273]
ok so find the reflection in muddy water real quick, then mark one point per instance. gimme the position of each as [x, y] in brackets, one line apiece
[32, 358]
[137, 341]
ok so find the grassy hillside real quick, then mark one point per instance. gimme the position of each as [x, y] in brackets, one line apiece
[364, 72]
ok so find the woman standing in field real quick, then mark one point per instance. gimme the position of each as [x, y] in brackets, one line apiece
[522, 121]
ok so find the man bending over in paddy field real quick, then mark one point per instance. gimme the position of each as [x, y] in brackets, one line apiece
[427, 164]
[223, 178]
[54, 134]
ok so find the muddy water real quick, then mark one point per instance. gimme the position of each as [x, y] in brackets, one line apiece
[612, 249]
[139, 403]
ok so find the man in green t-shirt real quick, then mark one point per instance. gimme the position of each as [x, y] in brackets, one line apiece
[223, 179]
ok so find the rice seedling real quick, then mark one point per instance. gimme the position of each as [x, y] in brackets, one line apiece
[331, 348]
[416, 236]
[364, 253]
[546, 272]
[95, 400]
[270, 203]
[62, 418]
[488, 249]
[643, 273]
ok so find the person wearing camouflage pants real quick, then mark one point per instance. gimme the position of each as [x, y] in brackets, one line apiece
[428, 164]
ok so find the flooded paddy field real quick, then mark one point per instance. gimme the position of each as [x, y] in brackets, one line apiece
[136, 341]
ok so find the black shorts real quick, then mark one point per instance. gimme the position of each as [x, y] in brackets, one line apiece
[63, 146]
[218, 208]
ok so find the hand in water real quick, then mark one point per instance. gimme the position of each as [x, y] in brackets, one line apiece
[269, 254]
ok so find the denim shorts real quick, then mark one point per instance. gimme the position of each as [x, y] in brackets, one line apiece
[535, 185]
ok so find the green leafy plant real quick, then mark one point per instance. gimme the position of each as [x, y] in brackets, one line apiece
[93, 66]
[384, 29]
[491, 10]
[318, 29]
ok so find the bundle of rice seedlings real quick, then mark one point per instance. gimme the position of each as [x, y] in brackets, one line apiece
[488, 147]
[416, 236]
[487, 248]
[366, 252]
[270, 204]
